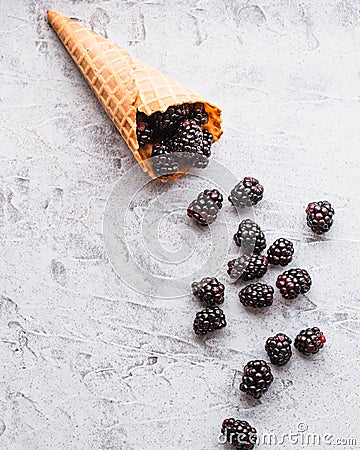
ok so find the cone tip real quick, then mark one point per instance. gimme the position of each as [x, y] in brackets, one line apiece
[50, 14]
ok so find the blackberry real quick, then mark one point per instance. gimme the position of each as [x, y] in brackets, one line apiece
[250, 237]
[205, 208]
[239, 433]
[247, 267]
[164, 162]
[200, 159]
[189, 138]
[280, 252]
[168, 120]
[309, 341]
[278, 349]
[257, 295]
[144, 132]
[209, 319]
[293, 282]
[209, 290]
[256, 379]
[319, 216]
[246, 193]
[198, 113]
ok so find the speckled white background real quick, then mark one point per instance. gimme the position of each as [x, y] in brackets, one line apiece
[88, 363]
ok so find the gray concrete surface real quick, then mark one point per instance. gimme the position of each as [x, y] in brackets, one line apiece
[87, 362]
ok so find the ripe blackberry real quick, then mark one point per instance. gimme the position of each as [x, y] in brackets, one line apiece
[246, 193]
[200, 159]
[309, 341]
[198, 114]
[293, 282]
[239, 433]
[144, 132]
[209, 290]
[247, 267]
[189, 138]
[164, 163]
[319, 216]
[257, 295]
[250, 237]
[280, 252]
[256, 378]
[205, 208]
[168, 120]
[209, 319]
[279, 349]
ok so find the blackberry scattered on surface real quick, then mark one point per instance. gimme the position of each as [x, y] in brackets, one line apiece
[168, 120]
[209, 319]
[205, 208]
[293, 282]
[209, 290]
[250, 237]
[239, 433]
[164, 163]
[280, 252]
[246, 193]
[278, 349]
[256, 379]
[257, 295]
[310, 341]
[319, 216]
[144, 132]
[247, 267]
[189, 138]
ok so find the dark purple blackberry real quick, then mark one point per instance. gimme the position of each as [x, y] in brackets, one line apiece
[246, 193]
[280, 252]
[250, 237]
[247, 267]
[257, 295]
[198, 114]
[188, 139]
[205, 208]
[279, 349]
[200, 159]
[168, 120]
[256, 378]
[293, 282]
[164, 163]
[319, 216]
[209, 290]
[239, 433]
[144, 132]
[309, 341]
[209, 319]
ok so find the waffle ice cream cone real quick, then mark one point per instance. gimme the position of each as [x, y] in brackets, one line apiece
[125, 85]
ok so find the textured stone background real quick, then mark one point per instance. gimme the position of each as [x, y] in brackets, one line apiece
[89, 363]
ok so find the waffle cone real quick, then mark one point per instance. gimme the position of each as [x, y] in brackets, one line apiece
[125, 85]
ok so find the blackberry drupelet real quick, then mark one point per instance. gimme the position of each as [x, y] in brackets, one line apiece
[293, 282]
[239, 433]
[246, 193]
[144, 132]
[256, 379]
[278, 349]
[319, 216]
[280, 252]
[205, 208]
[257, 295]
[309, 341]
[164, 163]
[168, 120]
[209, 290]
[250, 237]
[247, 267]
[209, 319]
